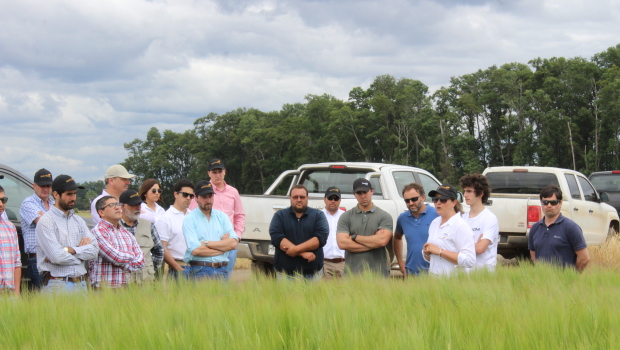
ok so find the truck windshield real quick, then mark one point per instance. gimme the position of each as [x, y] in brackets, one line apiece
[520, 182]
[606, 182]
[317, 181]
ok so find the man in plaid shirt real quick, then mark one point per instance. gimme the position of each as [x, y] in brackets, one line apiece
[119, 252]
[10, 263]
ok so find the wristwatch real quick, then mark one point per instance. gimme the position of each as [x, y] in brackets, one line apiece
[354, 237]
[66, 249]
[206, 243]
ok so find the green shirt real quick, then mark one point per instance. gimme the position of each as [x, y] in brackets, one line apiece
[366, 223]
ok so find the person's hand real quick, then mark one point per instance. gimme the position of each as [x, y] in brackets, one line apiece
[430, 248]
[308, 256]
[402, 269]
[292, 251]
[84, 241]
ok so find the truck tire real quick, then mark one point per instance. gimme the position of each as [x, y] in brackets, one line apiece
[262, 269]
[612, 232]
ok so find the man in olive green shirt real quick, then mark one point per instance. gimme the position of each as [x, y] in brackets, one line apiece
[364, 231]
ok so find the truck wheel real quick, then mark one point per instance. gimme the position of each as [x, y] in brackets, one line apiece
[613, 232]
[262, 269]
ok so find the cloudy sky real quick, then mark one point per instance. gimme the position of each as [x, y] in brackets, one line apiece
[80, 78]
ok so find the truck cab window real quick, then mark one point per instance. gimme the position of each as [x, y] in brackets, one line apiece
[16, 190]
[589, 193]
[317, 181]
[428, 183]
[572, 185]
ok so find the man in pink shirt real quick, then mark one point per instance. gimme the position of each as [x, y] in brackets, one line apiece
[226, 199]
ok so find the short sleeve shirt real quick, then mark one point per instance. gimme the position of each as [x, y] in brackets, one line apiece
[558, 242]
[485, 224]
[415, 231]
[366, 223]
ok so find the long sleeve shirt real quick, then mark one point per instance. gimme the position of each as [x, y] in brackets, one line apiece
[228, 201]
[9, 254]
[29, 211]
[57, 230]
[119, 254]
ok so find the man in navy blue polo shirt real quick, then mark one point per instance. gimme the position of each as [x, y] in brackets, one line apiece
[557, 239]
[413, 224]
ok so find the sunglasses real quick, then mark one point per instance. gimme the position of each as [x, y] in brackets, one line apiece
[333, 199]
[412, 199]
[185, 194]
[555, 202]
[299, 197]
[4, 200]
[157, 190]
[113, 205]
[443, 200]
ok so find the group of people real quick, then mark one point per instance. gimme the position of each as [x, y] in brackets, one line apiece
[198, 235]
[441, 240]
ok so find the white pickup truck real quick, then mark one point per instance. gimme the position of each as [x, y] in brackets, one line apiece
[387, 180]
[516, 203]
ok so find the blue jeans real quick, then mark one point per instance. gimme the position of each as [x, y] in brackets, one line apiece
[232, 256]
[59, 286]
[202, 272]
[175, 274]
[310, 277]
[36, 280]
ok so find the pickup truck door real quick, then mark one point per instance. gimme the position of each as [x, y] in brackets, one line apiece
[595, 223]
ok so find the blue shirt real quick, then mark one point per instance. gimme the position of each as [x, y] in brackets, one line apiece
[197, 228]
[558, 242]
[29, 211]
[416, 234]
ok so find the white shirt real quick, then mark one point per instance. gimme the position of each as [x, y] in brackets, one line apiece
[331, 250]
[485, 224]
[150, 214]
[170, 229]
[456, 236]
[4, 216]
[93, 207]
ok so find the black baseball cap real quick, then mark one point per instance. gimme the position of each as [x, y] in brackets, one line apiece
[444, 190]
[333, 191]
[362, 184]
[65, 183]
[203, 187]
[216, 163]
[43, 177]
[130, 197]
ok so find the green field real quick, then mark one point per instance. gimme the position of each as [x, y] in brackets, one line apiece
[515, 308]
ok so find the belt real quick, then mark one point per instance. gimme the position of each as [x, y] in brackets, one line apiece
[335, 261]
[32, 255]
[208, 264]
[66, 279]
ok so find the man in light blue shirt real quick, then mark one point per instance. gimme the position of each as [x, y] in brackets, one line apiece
[209, 235]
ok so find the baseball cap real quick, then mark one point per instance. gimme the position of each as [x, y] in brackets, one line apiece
[362, 184]
[333, 191]
[444, 190]
[203, 187]
[130, 197]
[118, 170]
[216, 163]
[65, 183]
[43, 177]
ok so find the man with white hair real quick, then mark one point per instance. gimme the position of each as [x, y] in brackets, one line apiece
[117, 180]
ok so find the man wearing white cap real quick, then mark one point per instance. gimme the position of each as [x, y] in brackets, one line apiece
[117, 180]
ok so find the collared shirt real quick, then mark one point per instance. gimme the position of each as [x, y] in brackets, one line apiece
[55, 231]
[157, 252]
[228, 200]
[415, 231]
[197, 228]
[558, 242]
[366, 223]
[331, 250]
[9, 254]
[454, 235]
[29, 211]
[119, 254]
[150, 214]
[93, 207]
[4, 216]
[170, 228]
[485, 224]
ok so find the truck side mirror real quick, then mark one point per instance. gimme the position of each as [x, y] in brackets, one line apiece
[604, 197]
[460, 197]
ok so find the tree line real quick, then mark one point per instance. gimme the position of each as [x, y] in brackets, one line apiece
[549, 112]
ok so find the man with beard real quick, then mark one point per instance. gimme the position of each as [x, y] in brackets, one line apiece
[145, 233]
[31, 210]
[413, 224]
[298, 233]
[64, 242]
[209, 236]
[117, 180]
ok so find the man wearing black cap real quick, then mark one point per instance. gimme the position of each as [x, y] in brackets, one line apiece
[145, 233]
[364, 231]
[64, 242]
[31, 210]
[209, 235]
[333, 266]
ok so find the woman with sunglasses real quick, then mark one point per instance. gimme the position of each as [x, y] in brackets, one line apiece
[451, 243]
[150, 192]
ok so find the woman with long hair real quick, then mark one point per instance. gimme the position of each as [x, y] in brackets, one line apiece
[150, 192]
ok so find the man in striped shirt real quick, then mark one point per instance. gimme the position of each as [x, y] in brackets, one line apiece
[10, 263]
[119, 252]
[63, 241]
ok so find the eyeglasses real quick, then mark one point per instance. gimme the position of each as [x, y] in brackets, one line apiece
[554, 203]
[185, 194]
[443, 200]
[113, 205]
[333, 199]
[412, 199]
[299, 197]
[157, 190]
[4, 200]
